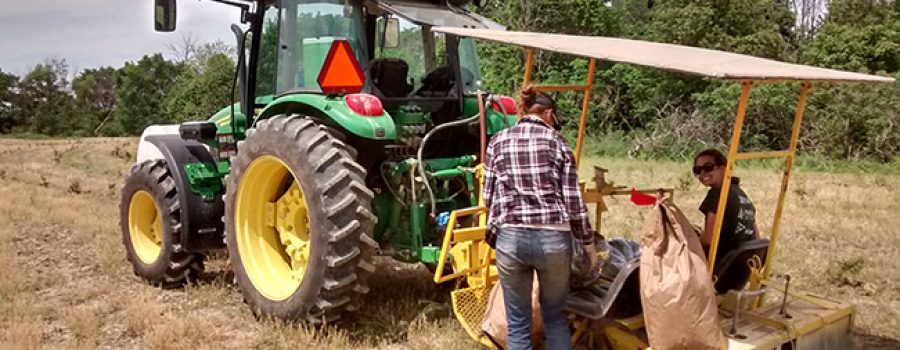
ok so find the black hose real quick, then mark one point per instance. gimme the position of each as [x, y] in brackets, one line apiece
[421, 165]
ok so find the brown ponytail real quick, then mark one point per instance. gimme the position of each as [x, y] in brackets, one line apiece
[528, 94]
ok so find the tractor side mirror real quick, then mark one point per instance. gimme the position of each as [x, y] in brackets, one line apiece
[164, 15]
[392, 33]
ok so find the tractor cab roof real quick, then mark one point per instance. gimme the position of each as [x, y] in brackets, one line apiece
[434, 14]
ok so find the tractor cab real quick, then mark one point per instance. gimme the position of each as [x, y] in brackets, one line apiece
[421, 79]
[412, 64]
[406, 65]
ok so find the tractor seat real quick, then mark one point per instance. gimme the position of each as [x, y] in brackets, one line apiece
[390, 76]
[617, 299]
[733, 271]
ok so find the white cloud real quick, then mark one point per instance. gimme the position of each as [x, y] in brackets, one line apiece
[92, 33]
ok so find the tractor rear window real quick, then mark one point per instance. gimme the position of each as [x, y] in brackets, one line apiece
[306, 31]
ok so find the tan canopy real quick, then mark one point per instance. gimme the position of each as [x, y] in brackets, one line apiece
[676, 58]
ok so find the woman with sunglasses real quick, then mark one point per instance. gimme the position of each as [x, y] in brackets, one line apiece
[739, 222]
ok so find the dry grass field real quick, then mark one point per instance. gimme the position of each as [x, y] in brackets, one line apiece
[65, 283]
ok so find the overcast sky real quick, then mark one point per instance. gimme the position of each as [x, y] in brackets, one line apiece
[94, 33]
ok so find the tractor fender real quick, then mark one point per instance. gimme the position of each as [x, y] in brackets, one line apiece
[147, 150]
[201, 219]
[333, 112]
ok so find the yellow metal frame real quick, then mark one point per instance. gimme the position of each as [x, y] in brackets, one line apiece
[585, 89]
[734, 155]
[477, 268]
[475, 235]
[595, 195]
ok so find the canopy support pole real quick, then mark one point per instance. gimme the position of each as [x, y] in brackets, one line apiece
[529, 61]
[585, 105]
[726, 182]
[788, 165]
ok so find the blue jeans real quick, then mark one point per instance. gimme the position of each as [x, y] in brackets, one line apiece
[521, 252]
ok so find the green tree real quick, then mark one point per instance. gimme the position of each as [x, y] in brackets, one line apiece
[754, 27]
[10, 117]
[46, 103]
[141, 88]
[857, 121]
[858, 35]
[95, 94]
[197, 94]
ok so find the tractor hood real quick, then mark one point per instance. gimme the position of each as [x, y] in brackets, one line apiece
[436, 14]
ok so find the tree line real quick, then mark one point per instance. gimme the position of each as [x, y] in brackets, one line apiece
[122, 101]
[649, 112]
[665, 114]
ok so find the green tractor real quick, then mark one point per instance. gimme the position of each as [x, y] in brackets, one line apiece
[355, 133]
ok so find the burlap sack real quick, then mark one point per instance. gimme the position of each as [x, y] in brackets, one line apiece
[495, 325]
[677, 293]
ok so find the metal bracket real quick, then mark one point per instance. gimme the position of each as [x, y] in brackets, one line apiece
[737, 311]
[787, 285]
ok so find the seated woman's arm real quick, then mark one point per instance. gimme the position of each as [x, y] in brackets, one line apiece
[708, 227]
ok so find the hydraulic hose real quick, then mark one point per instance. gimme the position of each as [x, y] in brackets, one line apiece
[421, 166]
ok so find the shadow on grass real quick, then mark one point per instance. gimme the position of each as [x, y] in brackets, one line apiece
[400, 294]
[216, 270]
[869, 342]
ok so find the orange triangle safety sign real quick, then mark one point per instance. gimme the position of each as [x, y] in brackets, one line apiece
[341, 72]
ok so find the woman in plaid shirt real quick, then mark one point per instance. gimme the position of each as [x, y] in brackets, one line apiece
[531, 188]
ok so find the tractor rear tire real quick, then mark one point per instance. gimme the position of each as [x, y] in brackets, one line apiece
[312, 194]
[150, 217]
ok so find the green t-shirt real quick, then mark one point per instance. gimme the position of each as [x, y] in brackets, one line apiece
[739, 222]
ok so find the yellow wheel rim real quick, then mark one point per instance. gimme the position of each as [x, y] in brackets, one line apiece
[272, 228]
[145, 227]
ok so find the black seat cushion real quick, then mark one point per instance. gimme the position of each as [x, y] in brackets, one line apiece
[389, 75]
[732, 271]
[618, 298]
[616, 293]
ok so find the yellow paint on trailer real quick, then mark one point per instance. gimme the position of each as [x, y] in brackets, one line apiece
[620, 339]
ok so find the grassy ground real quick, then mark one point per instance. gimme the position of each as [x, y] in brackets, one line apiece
[65, 282]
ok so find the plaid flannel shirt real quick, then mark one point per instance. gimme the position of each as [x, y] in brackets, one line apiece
[530, 178]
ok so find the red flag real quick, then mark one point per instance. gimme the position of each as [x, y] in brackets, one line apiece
[642, 199]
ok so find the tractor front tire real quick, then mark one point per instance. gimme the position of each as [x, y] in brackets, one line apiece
[298, 222]
[150, 217]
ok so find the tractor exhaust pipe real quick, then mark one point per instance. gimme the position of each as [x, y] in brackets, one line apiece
[240, 73]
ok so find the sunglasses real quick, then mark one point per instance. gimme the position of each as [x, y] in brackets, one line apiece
[705, 168]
